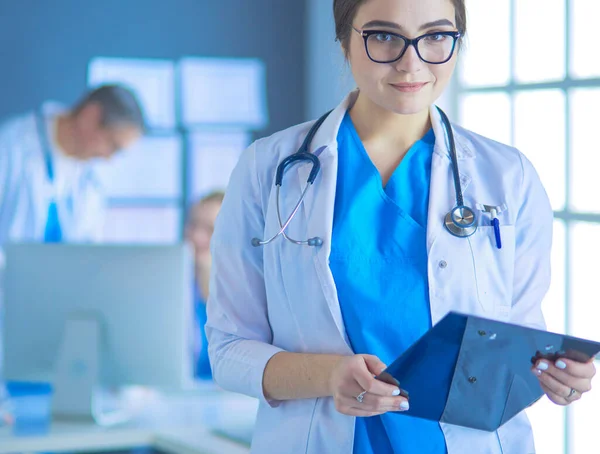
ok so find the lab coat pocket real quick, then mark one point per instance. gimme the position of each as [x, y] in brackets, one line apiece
[494, 269]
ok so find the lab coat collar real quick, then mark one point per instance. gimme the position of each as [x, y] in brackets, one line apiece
[464, 147]
[324, 144]
[326, 136]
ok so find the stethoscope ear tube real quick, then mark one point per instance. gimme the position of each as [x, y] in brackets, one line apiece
[298, 157]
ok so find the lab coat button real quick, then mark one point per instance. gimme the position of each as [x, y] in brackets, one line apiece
[443, 264]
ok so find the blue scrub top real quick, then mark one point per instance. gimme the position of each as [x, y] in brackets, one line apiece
[379, 264]
[202, 362]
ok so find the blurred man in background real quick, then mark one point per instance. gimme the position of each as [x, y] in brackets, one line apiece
[198, 232]
[49, 190]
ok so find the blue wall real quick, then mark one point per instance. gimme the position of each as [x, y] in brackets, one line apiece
[45, 45]
[328, 86]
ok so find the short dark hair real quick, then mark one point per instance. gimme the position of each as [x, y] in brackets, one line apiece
[344, 12]
[120, 106]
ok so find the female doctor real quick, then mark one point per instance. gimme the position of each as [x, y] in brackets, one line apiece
[407, 219]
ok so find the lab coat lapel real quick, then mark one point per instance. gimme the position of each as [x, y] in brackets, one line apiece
[318, 210]
[441, 197]
[319, 203]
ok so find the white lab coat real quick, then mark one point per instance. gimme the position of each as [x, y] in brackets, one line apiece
[282, 297]
[26, 191]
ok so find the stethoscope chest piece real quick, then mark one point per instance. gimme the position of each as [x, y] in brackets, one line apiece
[461, 221]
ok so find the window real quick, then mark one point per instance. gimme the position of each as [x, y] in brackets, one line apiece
[201, 113]
[539, 90]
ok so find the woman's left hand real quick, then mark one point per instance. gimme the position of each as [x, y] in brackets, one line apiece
[565, 381]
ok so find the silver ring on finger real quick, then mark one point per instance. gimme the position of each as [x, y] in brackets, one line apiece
[361, 397]
[571, 393]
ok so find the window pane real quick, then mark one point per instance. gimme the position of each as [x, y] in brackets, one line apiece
[583, 421]
[584, 306]
[553, 305]
[153, 82]
[540, 135]
[212, 158]
[142, 225]
[584, 38]
[223, 91]
[585, 321]
[540, 40]
[487, 114]
[585, 159]
[548, 419]
[486, 59]
[150, 168]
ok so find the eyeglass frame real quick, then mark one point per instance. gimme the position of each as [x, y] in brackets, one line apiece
[408, 42]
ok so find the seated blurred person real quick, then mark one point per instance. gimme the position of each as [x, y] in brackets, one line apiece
[198, 232]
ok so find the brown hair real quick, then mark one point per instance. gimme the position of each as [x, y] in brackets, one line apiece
[344, 12]
[215, 196]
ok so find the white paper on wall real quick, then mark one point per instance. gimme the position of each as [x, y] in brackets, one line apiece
[212, 158]
[223, 91]
[152, 80]
[149, 225]
[152, 167]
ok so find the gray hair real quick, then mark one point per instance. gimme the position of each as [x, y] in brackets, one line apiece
[120, 106]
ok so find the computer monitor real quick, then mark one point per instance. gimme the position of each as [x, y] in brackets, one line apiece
[83, 316]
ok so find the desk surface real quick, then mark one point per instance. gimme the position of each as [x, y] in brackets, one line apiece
[182, 423]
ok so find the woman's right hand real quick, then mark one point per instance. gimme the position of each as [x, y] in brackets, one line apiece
[356, 374]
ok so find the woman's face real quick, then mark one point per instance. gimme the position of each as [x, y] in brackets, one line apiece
[409, 85]
[200, 226]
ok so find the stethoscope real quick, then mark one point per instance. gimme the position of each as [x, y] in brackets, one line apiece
[460, 221]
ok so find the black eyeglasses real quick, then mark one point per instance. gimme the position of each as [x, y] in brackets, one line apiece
[387, 47]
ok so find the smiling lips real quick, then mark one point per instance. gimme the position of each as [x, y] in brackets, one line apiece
[409, 87]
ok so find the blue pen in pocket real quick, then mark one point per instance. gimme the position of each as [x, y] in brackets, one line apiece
[496, 225]
[495, 222]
